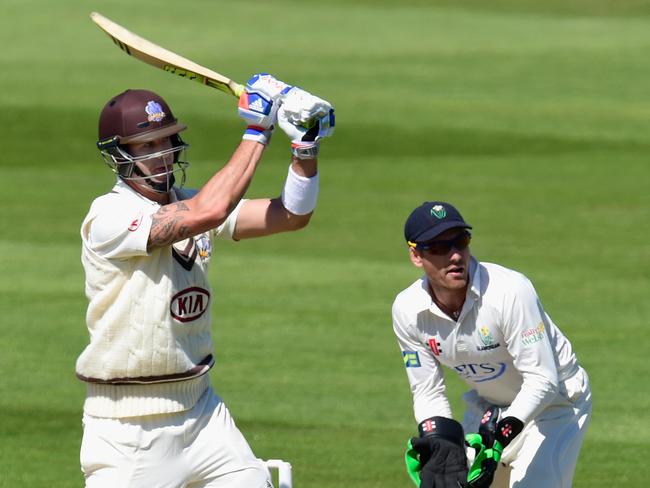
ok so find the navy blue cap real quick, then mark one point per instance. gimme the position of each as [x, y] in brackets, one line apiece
[430, 220]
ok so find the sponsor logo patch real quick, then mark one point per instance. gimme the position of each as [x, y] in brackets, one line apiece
[257, 105]
[428, 425]
[486, 417]
[480, 372]
[135, 224]
[204, 246]
[435, 347]
[485, 337]
[411, 359]
[533, 335]
[189, 304]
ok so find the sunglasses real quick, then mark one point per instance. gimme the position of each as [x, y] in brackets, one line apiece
[460, 242]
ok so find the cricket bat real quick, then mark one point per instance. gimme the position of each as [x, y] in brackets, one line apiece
[150, 53]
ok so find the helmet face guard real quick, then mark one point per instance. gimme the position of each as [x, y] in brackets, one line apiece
[124, 164]
[138, 116]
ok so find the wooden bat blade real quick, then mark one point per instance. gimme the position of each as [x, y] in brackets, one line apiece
[150, 53]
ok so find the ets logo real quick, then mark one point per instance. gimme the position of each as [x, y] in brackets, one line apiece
[478, 373]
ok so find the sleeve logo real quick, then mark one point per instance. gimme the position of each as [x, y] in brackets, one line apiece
[533, 335]
[411, 359]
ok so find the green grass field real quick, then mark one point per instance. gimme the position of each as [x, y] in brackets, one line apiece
[532, 117]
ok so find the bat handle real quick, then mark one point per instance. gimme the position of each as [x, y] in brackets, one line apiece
[237, 89]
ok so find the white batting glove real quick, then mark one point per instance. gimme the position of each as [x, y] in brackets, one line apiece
[306, 119]
[258, 105]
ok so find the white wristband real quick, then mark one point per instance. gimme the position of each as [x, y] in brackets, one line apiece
[300, 193]
[258, 134]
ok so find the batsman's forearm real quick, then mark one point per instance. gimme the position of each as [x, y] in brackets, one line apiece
[225, 189]
[304, 167]
[211, 206]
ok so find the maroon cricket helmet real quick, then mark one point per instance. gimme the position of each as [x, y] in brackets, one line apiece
[136, 116]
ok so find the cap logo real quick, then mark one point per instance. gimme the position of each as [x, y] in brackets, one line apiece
[154, 111]
[438, 211]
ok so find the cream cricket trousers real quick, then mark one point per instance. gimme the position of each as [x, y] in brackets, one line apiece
[198, 448]
[545, 453]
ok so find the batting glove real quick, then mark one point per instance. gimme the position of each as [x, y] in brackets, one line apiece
[489, 443]
[306, 119]
[258, 105]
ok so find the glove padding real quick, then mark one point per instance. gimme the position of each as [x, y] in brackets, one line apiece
[259, 103]
[306, 119]
[489, 443]
[437, 458]
[300, 106]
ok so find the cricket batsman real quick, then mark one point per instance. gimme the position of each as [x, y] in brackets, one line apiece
[529, 402]
[151, 417]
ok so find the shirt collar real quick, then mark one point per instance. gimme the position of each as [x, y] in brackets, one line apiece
[474, 278]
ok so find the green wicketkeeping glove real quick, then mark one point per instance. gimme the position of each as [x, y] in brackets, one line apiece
[481, 472]
[413, 466]
[489, 442]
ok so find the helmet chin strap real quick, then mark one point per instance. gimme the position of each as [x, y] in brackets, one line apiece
[149, 183]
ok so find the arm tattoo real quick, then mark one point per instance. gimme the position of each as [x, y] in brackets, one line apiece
[167, 225]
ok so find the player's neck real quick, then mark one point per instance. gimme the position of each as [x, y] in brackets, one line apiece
[450, 302]
[158, 197]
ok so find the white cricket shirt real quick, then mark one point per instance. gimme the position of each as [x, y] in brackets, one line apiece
[503, 345]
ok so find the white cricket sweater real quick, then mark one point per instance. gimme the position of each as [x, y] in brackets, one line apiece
[148, 313]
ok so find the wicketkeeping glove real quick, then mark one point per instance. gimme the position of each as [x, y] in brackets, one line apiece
[306, 119]
[489, 443]
[437, 458]
[258, 105]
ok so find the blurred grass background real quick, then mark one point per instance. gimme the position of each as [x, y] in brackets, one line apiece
[532, 117]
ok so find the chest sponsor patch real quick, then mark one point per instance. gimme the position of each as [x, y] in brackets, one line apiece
[435, 346]
[411, 359]
[189, 304]
[533, 335]
[480, 372]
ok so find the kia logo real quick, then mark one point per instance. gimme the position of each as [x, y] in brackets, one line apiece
[189, 304]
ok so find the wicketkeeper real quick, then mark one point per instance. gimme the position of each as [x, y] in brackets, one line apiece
[529, 402]
[151, 418]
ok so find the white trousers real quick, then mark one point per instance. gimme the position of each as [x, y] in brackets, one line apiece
[545, 453]
[198, 448]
